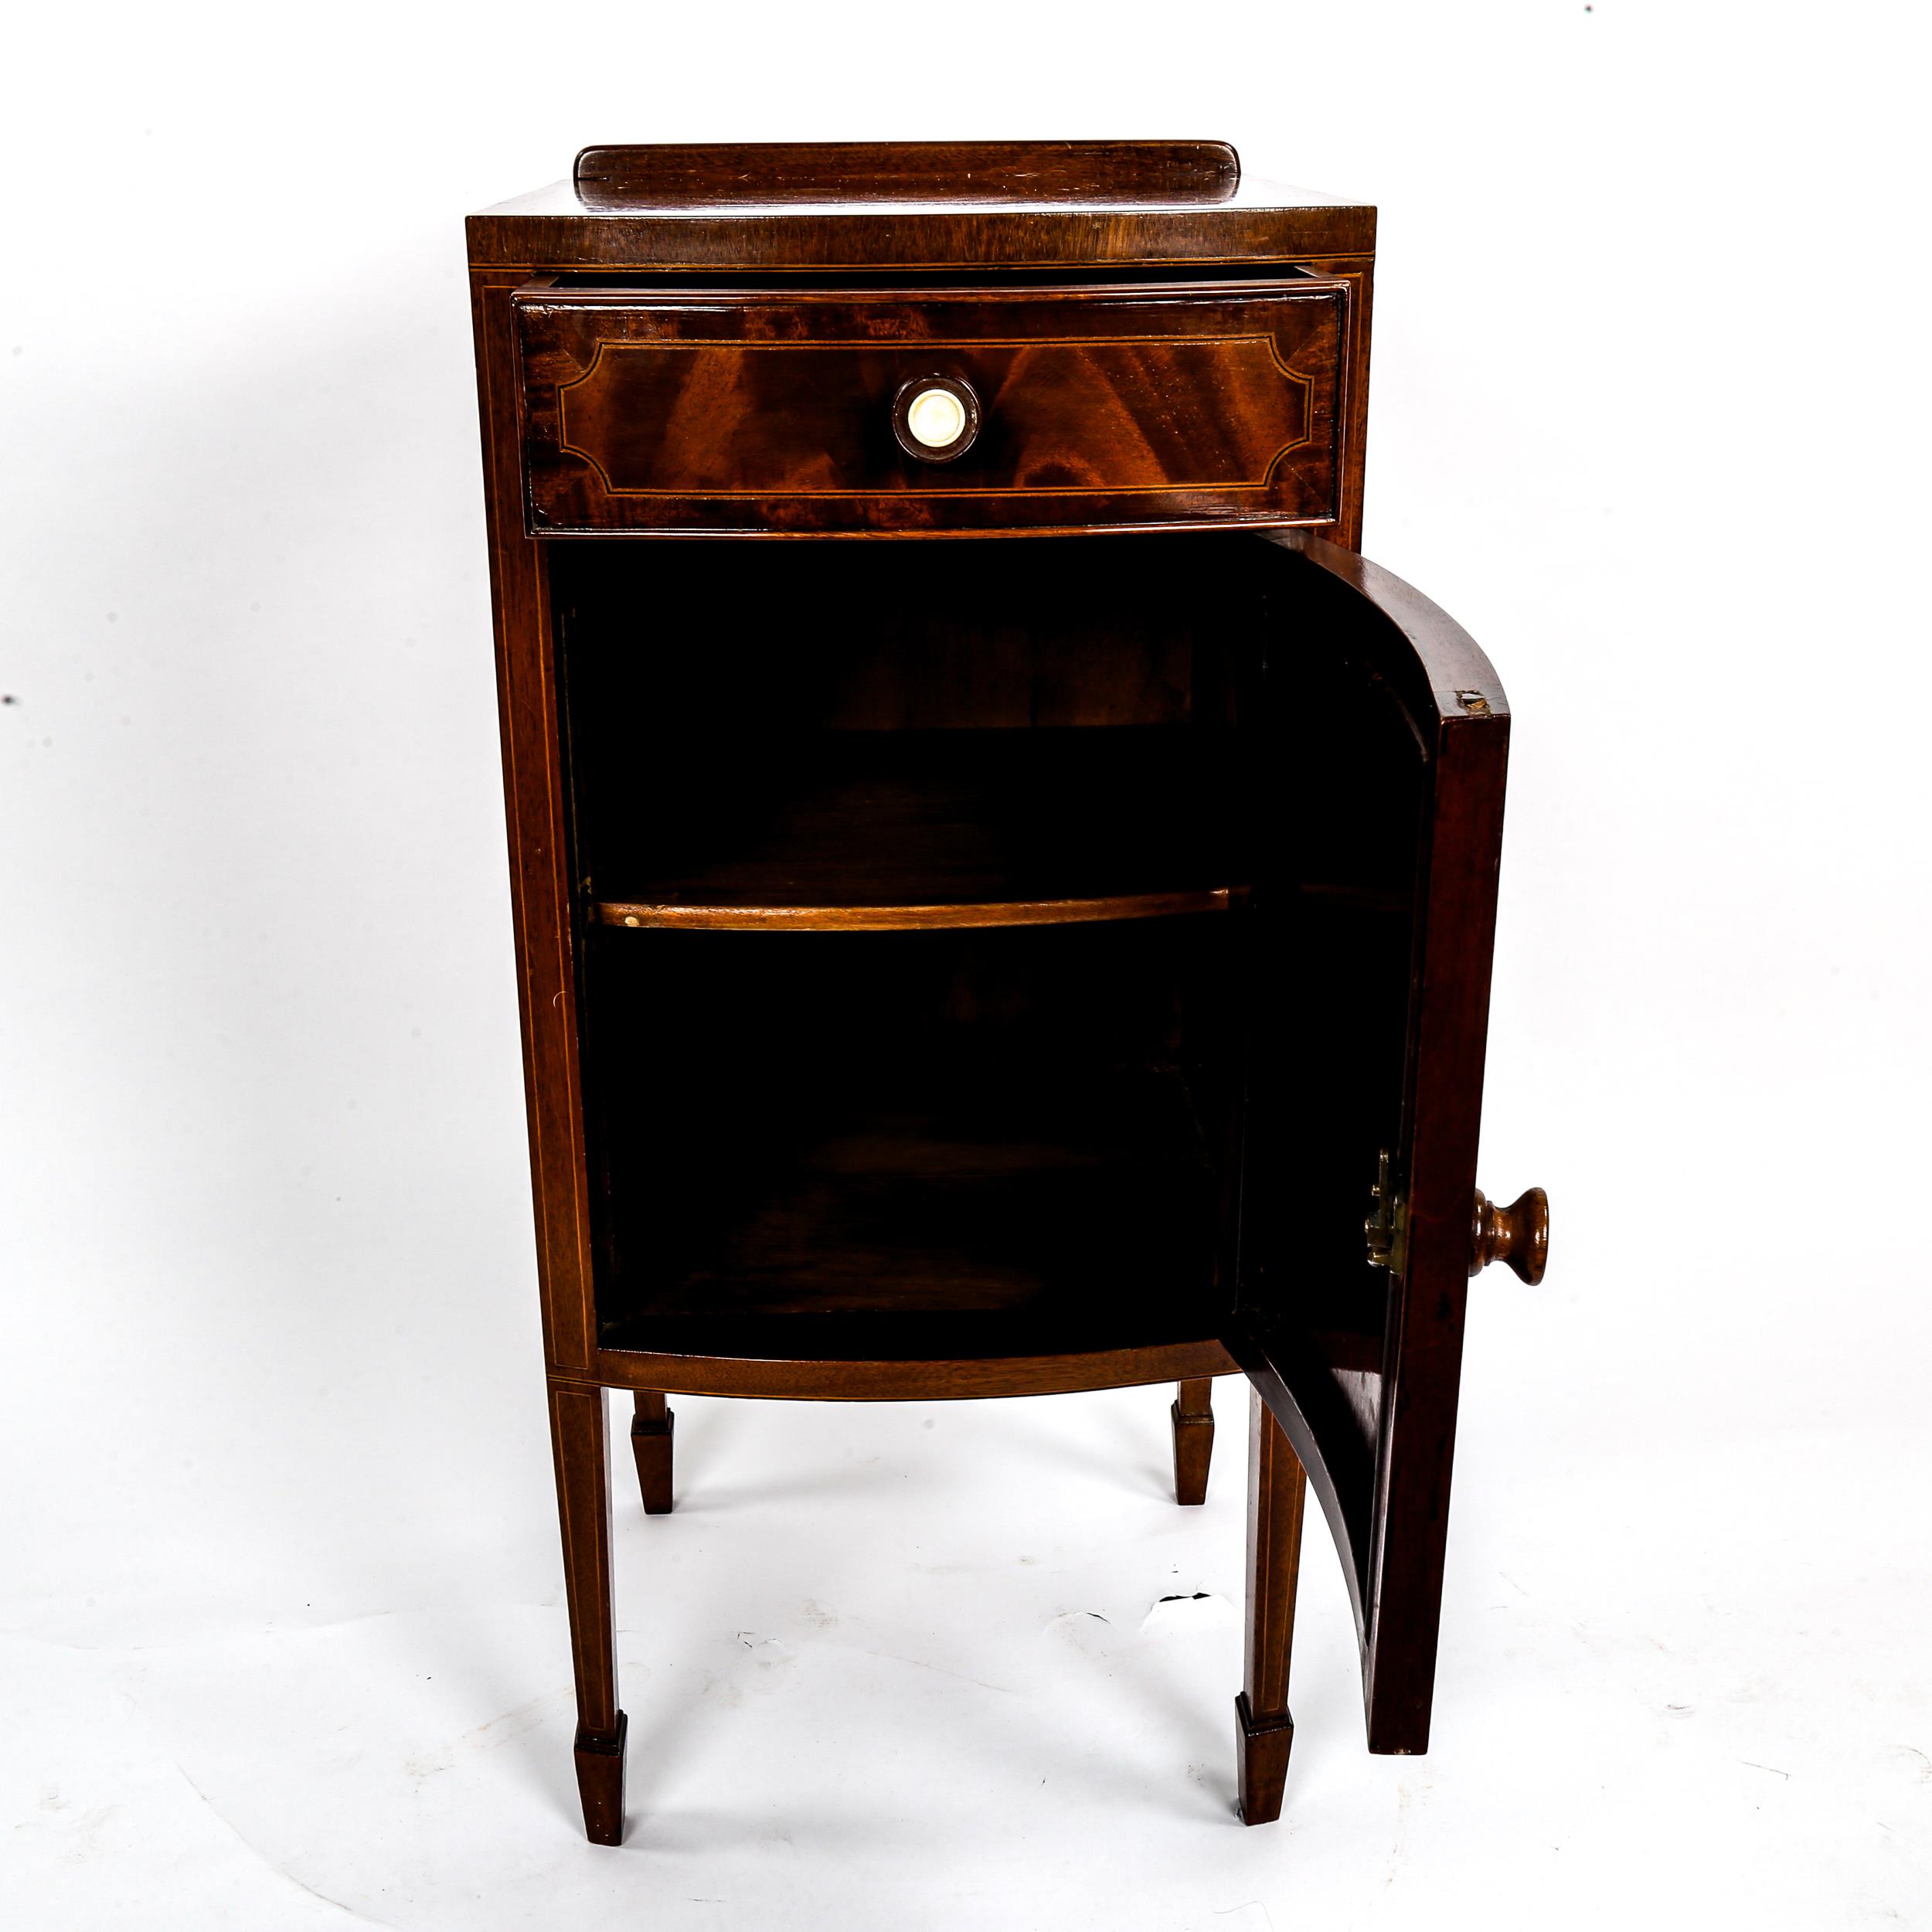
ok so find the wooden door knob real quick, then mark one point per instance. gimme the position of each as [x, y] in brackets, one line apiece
[1519, 1234]
[935, 417]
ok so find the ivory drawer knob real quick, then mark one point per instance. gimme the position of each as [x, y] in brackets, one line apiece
[935, 417]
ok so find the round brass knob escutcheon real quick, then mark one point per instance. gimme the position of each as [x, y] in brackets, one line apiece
[1519, 1234]
[935, 418]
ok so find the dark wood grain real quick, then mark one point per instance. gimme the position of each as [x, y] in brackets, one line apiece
[897, 829]
[1085, 1210]
[720, 216]
[653, 1430]
[765, 173]
[752, 413]
[895, 916]
[995, 733]
[1357, 273]
[1379, 1447]
[583, 1503]
[1193, 1417]
[857, 1367]
[543, 919]
[1142, 890]
[1264, 1730]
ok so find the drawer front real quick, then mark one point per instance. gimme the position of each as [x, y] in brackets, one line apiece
[1085, 409]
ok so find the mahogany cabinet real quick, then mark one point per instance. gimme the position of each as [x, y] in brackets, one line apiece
[1004, 892]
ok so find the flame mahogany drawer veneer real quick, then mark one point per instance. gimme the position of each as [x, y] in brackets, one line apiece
[1057, 958]
[1094, 408]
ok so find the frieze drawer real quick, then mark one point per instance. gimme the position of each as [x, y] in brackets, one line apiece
[965, 411]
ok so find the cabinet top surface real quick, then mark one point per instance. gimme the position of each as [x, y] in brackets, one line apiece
[967, 205]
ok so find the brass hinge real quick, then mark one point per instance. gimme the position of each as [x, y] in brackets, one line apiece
[1387, 1227]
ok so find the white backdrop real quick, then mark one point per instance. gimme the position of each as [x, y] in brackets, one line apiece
[279, 1603]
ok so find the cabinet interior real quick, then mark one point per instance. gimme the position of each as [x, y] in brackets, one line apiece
[976, 1131]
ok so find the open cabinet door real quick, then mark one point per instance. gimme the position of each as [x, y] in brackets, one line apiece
[1377, 805]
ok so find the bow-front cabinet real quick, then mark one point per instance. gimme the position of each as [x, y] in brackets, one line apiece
[1003, 890]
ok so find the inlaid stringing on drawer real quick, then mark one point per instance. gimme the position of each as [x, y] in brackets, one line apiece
[1091, 408]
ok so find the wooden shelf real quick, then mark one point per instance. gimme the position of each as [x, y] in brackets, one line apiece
[1034, 912]
[894, 830]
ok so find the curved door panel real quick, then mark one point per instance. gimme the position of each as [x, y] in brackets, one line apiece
[1372, 930]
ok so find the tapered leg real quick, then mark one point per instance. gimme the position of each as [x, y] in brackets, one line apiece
[651, 1435]
[584, 1502]
[1264, 1732]
[1193, 1414]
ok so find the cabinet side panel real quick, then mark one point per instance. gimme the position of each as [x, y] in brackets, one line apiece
[540, 882]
